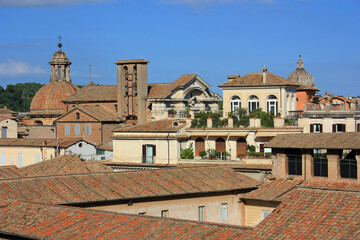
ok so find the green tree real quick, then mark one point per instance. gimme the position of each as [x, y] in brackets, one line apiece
[18, 97]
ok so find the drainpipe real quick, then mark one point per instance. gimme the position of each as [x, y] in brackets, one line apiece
[227, 140]
[168, 149]
[206, 140]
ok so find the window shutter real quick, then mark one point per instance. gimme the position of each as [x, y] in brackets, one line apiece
[344, 127]
[311, 128]
[144, 150]
[334, 127]
[154, 150]
[321, 128]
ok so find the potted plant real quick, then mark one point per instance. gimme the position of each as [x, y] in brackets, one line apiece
[188, 115]
[202, 154]
[172, 113]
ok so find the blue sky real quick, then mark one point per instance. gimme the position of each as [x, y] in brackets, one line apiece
[213, 38]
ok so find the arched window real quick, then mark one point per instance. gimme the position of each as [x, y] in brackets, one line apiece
[235, 103]
[199, 146]
[240, 146]
[253, 103]
[220, 147]
[272, 104]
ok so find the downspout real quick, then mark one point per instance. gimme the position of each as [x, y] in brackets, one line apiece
[206, 140]
[227, 140]
[168, 149]
[280, 102]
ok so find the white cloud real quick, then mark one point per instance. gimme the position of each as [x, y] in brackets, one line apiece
[12, 68]
[42, 3]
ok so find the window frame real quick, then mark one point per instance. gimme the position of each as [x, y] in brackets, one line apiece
[253, 99]
[201, 213]
[67, 130]
[224, 212]
[88, 130]
[165, 213]
[235, 103]
[77, 129]
[272, 101]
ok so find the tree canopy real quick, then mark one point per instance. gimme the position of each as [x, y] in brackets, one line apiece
[18, 97]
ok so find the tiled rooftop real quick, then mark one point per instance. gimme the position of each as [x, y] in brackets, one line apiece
[98, 187]
[94, 93]
[164, 90]
[256, 79]
[100, 113]
[316, 140]
[37, 142]
[59, 222]
[7, 172]
[166, 125]
[272, 190]
[312, 214]
[68, 164]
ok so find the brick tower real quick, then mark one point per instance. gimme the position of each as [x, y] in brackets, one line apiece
[132, 87]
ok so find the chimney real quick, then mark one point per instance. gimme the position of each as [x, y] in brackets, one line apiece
[264, 69]
[233, 77]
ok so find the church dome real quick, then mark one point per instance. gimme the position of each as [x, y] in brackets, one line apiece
[300, 75]
[49, 98]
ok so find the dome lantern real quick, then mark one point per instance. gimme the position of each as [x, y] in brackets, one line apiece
[60, 66]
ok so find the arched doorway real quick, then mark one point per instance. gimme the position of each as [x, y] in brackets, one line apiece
[240, 146]
[220, 147]
[199, 146]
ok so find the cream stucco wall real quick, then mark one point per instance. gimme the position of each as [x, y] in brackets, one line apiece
[184, 208]
[14, 154]
[11, 126]
[130, 150]
[286, 97]
[327, 123]
[254, 211]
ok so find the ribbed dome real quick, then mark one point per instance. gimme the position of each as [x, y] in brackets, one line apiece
[49, 97]
[300, 75]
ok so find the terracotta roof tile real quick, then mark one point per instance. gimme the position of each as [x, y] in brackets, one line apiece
[271, 190]
[60, 222]
[312, 214]
[83, 188]
[94, 93]
[163, 90]
[3, 117]
[98, 112]
[256, 79]
[68, 164]
[316, 140]
[163, 126]
[7, 172]
[37, 142]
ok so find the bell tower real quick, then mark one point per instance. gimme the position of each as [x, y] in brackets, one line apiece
[60, 66]
[132, 89]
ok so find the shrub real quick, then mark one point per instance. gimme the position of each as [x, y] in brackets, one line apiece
[250, 148]
[187, 153]
[212, 153]
[202, 154]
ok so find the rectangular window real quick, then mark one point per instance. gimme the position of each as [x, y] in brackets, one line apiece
[294, 165]
[4, 132]
[100, 152]
[37, 158]
[148, 153]
[339, 128]
[320, 167]
[142, 213]
[223, 212]
[67, 129]
[2, 163]
[316, 128]
[20, 160]
[201, 213]
[88, 130]
[265, 214]
[77, 129]
[164, 213]
[348, 168]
